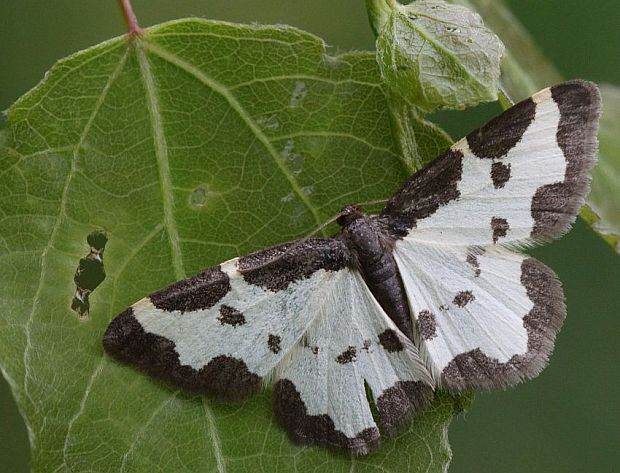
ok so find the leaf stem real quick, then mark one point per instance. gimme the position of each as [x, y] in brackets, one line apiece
[505, 100]
[133, 28]
[379, 12]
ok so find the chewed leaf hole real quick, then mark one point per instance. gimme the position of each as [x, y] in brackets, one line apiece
[89, 274]
[198, 198]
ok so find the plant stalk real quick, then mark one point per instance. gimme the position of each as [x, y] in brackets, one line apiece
[133, 28]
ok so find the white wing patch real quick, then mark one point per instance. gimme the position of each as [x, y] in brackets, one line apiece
[495, 207]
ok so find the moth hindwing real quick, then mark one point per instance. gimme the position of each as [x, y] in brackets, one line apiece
[431, 293]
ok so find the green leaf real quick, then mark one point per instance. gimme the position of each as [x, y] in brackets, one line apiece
[437, 55]
[604, 199]
[190, 145]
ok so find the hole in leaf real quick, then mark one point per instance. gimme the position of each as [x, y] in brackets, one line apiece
[89, 274]
[198, 198]
[452, 29]
[413, 17]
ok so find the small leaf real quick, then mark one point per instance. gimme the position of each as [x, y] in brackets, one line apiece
[604, 198]
[438, 55]
[189, 145]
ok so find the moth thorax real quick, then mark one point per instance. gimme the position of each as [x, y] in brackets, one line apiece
[362, 237]
[348, 215]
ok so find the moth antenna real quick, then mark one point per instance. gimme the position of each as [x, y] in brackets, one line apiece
[321, 227]
[372, 203]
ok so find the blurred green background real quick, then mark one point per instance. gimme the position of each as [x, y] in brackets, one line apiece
[567, 420]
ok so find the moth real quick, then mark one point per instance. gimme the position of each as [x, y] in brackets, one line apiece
[432, 293]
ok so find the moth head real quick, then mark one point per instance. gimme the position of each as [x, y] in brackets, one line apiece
[349, 214]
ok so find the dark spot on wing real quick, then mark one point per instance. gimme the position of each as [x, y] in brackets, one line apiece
[476, 370]
[426, 325]
[472, 258]
[273, 342]
[276, 267]
[500, 228]
[305, 429]
[347, 356]
[306, 344]
[366, 346]
[428, 189]
[463, 298]
[390, 341]
[501, 134]
[473, 261]
[199, 292]
[225, 377]
[555, 206]
[230, 316]
[399, 403]
[89, 274]
[500, 174]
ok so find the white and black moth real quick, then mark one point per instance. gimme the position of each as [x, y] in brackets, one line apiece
[428, 294]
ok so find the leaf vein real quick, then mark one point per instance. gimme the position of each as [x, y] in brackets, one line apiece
[144, 428]
[303, 77]
[250, 123]
[161, 154]
[334, 134]
[215, 437]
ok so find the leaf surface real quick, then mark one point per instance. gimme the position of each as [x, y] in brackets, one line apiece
[604, 199]
[198, 142]
[437, 55]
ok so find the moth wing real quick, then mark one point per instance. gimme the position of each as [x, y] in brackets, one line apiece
[519, 179]
[223, 331]
[484, 319]
[293, 313]
[321, 397]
